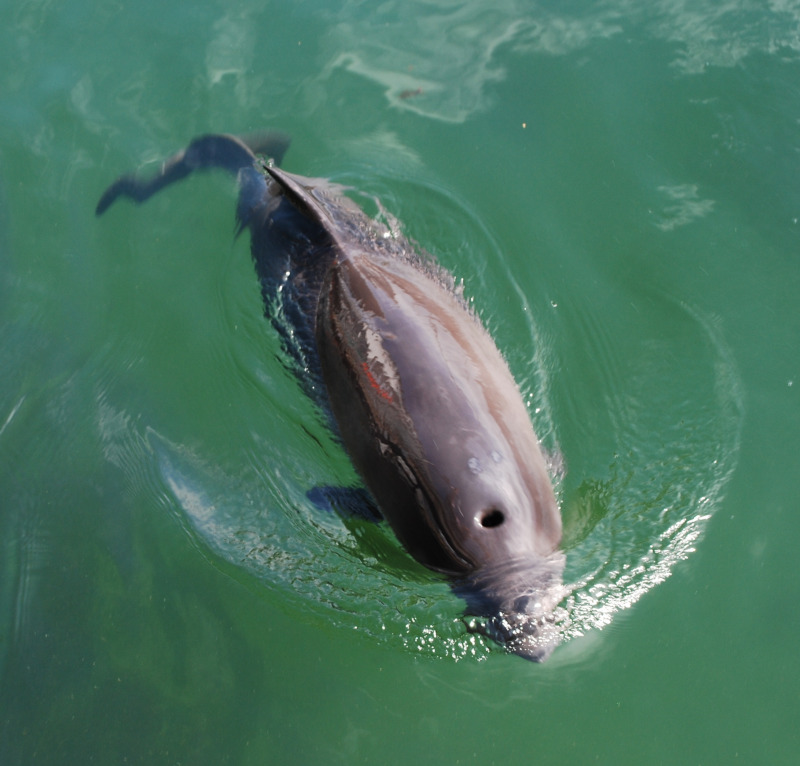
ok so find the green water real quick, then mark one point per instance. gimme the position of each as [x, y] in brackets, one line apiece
[616, 184]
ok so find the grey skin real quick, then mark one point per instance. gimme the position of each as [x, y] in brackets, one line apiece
[423, 401]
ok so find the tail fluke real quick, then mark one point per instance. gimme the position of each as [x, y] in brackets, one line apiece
[214, 151]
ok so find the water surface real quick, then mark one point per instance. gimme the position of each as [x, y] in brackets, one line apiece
[615, 184]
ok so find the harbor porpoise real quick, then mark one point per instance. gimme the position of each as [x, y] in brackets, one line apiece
[423, 400]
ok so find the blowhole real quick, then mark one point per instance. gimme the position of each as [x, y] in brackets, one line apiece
[491, 518]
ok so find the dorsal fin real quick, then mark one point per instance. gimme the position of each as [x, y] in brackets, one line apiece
[301, 195]
[318, 199]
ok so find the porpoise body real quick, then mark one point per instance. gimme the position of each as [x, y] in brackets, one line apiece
[423, 400]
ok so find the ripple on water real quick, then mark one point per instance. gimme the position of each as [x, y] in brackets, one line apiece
[674, 412]
[665, 410]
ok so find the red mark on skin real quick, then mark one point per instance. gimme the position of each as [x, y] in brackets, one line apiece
[374, 383]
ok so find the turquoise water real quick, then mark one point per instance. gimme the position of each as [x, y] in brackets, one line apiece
[617, 186]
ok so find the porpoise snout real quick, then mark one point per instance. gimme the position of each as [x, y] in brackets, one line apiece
[532, 636]
[515, 604]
